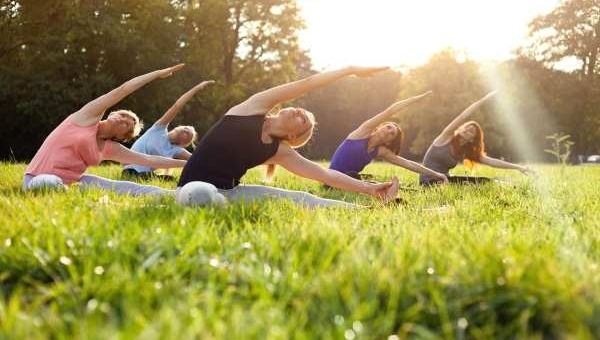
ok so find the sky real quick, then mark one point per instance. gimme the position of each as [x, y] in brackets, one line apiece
[401, 33]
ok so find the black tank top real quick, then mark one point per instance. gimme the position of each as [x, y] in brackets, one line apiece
[232, 146]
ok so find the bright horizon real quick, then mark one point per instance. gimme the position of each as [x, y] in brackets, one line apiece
[402, 33]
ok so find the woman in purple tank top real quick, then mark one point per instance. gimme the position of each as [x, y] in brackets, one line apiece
[377, 137]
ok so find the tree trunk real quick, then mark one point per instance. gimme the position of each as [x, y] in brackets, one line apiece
[231, 46]
[594, 51]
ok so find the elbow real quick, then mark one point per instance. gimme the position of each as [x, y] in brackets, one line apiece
[150, 161]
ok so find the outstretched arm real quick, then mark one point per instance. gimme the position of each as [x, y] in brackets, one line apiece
[410, 165]
[92, 112]
[294, 162]
[122, 154]
[266, 100]
[180, 103]
[448, 132]
[497, 163]
[366, 127]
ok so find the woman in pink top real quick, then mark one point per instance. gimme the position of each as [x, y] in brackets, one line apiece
[83, 139]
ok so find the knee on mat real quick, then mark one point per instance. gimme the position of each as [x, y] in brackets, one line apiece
[199, 194]
[46, 182]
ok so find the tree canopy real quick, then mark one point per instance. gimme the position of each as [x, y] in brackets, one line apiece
[55, 56]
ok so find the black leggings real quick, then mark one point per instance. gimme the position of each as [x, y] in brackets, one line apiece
[459, 180]
[129, 173]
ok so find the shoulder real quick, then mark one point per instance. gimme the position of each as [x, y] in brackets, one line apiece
[442, 140]
[107, 148]
[78, 120]
[360, 133]
[284, 150]
[157, 128]
[247, 108]
[384, 152]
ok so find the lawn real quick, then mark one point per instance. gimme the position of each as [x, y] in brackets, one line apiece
[513, 260]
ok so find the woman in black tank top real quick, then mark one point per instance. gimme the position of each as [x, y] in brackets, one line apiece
[248, 136]
[462, 140]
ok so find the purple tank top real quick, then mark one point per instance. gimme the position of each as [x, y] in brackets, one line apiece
[352, 156]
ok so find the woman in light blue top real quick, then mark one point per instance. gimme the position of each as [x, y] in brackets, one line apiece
[159, 141]
[377, 137]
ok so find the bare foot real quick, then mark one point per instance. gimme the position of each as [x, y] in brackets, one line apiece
[392, 191]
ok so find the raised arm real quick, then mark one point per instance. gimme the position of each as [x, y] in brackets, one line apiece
[410, 165]
[92, 112]
[294, 162]
[122, 154]
[266, 100]
[448, 132]
[497, 163]
[370, 124]
[180, 103]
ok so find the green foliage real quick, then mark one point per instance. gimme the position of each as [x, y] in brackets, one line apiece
[516, 260]
[455, 84]
[58, 55]
[561, 147]
[572, 29]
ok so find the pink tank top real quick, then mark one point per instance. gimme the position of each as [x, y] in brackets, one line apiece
[68, 151]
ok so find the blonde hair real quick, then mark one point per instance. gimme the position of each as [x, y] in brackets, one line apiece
[137, 126]
[298, 142]
[191, 130]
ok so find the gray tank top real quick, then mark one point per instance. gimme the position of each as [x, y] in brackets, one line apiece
[440, 159]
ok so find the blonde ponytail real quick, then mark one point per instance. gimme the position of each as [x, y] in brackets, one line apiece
[270, 173]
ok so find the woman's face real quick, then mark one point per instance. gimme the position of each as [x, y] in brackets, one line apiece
[121, 124]
[386, 132]
[295, 120]
[467, 133]
[182, 137]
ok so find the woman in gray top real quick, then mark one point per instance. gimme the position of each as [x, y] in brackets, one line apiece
[462, 140]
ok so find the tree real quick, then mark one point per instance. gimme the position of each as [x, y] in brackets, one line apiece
[572, 29]
[455, 84]
[57, 55]
[259, 31]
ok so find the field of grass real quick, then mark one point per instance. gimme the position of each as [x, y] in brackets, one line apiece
[516, 260]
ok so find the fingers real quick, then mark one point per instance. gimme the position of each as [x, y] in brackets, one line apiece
[177, 68]
[204, 84]
[379, 69]
[207, 82]
[369, 71]
[491, 94]
[169, 71]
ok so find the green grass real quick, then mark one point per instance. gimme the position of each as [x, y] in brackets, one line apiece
[496, 261]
